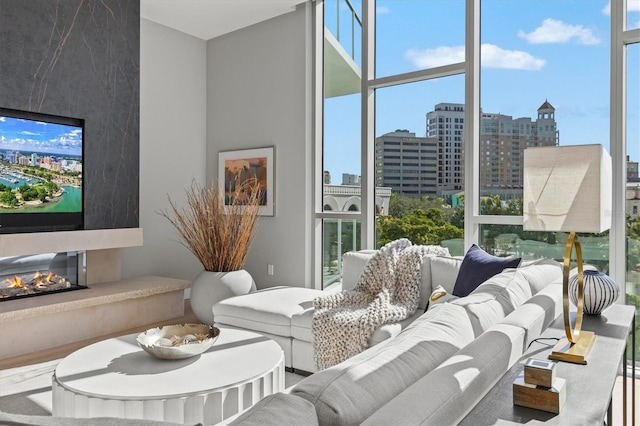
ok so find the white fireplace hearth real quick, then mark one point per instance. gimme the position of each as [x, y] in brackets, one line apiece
[109, 305]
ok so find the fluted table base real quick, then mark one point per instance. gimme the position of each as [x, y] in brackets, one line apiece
[115, 378]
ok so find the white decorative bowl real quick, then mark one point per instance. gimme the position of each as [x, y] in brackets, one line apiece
[178, 341]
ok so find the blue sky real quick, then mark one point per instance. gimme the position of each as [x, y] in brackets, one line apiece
[46, 138]
[532, 51]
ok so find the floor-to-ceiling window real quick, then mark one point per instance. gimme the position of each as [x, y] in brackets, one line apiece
[433, 137]
[544, 82]
[338, 210]
[626, 119]
[418, 86]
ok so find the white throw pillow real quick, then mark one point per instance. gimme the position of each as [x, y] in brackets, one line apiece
[444, 271]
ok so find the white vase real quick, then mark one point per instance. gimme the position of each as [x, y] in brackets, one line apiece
[600, 291]
[211, 287]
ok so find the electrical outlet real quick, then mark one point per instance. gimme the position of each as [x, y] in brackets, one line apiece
[270, 269]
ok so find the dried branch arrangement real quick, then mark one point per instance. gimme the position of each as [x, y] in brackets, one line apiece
[218, 235]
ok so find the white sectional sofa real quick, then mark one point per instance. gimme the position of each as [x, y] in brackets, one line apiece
[437, 365]
[284, 314]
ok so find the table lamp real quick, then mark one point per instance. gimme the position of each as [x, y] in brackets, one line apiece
[568, 189]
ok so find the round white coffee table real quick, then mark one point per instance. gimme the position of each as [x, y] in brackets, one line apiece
[115, 378]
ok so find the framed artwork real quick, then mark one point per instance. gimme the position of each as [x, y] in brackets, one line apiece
[237, 166]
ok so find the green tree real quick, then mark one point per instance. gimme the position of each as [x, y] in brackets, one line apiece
[8, 198]
[420, 227]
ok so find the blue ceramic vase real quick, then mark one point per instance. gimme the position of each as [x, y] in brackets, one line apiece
[600, 291]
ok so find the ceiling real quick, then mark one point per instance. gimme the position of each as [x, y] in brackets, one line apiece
[207, 19]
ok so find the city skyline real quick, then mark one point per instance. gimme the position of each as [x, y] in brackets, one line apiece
[524, 63]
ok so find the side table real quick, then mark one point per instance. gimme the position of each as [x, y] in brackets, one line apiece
[589, 387]
[115, 378]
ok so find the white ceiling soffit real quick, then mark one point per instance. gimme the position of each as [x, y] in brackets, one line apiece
[207, 19]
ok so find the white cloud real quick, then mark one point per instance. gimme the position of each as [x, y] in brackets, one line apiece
[632, 6]
[554, 31]
[429, 58]
[382, 10]
[492, 57]
[25, 132]
[3, 119]
[496, 57]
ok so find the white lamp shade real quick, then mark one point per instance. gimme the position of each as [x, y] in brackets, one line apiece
[567, 188]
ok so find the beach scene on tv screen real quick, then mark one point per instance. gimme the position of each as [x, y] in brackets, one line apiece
[40, 166]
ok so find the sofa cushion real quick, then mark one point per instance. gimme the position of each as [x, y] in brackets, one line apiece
[477, 267]
[445, 395]
[268, 310]
[541, 273]
[495, 299]
[351, 391]
[535, 315]
[353, 264]
[279, 409]
[301, 325]
[387, 331]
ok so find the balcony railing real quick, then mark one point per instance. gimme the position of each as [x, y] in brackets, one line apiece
[356, 22]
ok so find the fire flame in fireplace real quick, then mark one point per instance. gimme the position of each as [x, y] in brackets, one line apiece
[40, 282]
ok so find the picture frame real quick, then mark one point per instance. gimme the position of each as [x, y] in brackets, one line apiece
[240, 165]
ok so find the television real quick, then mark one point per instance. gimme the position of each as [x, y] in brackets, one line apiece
[41, 159]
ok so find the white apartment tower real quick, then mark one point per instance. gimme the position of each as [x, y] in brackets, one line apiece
[445, 124]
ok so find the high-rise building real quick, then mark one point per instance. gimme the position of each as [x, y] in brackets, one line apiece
[503, 140]
[445, 124]
[501, 152]
[632, 171]
[407, 163]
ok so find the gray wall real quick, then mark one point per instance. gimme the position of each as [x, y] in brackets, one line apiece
[246, 89]
[172, 145]
[258, 94]
[81, 59]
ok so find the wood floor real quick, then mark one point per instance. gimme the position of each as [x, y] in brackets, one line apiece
[64, 350]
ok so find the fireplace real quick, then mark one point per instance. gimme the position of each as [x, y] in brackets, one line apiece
[41, 274]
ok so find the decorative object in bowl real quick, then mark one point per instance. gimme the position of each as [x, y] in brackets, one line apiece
[178, 341]
[600, 291]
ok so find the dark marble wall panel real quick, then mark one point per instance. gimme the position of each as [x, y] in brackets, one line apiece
[81, 58]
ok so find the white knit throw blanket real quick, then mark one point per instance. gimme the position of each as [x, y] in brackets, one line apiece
[387, 291]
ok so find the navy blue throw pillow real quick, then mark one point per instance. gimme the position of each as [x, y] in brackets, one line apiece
[477, 267]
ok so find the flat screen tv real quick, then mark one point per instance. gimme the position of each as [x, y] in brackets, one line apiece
[41, 158]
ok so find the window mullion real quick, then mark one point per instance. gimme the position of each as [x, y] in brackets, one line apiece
[368, 237]
[617, 143]
[472, 119]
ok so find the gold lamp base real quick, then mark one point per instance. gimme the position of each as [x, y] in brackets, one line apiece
[576, 353]
[577, 345]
